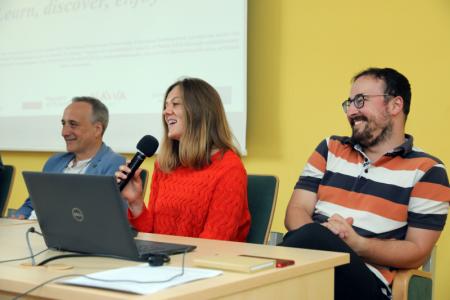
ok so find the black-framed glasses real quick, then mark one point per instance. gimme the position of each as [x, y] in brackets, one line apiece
[358, 101]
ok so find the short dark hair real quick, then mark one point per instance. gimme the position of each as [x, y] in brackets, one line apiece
[99, 110]
[396, 84]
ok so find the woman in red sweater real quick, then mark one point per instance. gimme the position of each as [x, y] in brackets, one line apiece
[199, 184]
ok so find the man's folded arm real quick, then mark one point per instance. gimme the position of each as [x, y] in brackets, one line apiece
[300, 209]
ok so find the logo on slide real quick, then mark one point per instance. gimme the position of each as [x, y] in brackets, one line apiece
[77, 214]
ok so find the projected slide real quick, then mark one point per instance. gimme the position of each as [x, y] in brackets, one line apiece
[124, 52]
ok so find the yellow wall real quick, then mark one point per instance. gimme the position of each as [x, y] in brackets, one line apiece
[301, 56]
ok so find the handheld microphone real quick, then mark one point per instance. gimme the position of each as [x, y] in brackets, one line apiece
[146, 147]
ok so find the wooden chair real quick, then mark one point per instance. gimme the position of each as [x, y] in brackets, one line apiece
[6, 180]
[414, 284]
[262, 194]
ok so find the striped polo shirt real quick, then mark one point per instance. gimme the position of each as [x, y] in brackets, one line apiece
[405, 187]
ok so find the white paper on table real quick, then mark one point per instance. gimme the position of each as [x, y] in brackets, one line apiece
[142, 273]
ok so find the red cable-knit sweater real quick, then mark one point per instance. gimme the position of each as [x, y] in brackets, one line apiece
[208, 203]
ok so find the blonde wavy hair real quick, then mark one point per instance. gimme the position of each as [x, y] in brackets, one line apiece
[206, 129]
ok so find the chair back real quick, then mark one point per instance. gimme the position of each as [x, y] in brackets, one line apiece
[262, 196]
[414, 284]
[6, 180]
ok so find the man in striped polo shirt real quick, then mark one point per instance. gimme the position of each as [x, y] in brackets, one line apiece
[373, 195]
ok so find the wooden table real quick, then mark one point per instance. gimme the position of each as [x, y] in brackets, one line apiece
[312, 276]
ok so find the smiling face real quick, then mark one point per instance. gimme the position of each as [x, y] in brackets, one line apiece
[371, 124]
[83, 137]
[175, 114]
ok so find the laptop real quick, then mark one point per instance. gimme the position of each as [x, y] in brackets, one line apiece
[86, 214]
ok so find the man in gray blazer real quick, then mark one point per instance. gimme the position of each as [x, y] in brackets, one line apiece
[83, 124]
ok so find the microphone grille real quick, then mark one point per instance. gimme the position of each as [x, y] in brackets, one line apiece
[148, 145]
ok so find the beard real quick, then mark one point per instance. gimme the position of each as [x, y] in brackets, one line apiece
[366, 136]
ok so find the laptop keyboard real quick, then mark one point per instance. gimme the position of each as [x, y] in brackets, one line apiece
[146, 247]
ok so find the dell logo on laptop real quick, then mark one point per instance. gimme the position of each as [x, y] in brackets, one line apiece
[77, 214]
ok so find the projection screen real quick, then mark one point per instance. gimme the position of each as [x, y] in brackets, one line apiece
[124, 52]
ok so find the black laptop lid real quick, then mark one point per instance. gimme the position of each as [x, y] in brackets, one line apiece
[81, 213]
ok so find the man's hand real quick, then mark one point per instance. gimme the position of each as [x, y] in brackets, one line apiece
[19, 217]
[342, 227]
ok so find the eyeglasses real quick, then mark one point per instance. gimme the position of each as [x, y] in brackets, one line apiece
[358, 101]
